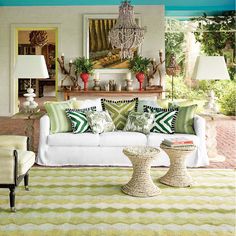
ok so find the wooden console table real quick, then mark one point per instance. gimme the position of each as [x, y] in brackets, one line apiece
[93, 93]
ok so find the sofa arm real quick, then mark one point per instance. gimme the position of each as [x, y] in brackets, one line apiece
[44, 129]
[7, 165]
[200, 127]
[13, 142]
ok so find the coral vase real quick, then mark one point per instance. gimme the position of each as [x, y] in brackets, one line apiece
[85, 78]
[140, 77]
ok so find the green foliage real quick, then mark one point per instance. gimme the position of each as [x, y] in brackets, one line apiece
[182, 90]
[225, 91]
[175, 44]
[139, 64]
[214, 33]
[228, 100]
[83, 65]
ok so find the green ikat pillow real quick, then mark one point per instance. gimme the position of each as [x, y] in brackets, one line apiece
[78, 119]
[164, 121]
[139, 122]
[59, 122]
[119, 110]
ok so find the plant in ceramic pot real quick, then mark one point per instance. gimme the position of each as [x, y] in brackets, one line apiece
[139, 66]
[84, 67]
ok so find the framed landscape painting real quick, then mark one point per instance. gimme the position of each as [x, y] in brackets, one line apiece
[96, 43]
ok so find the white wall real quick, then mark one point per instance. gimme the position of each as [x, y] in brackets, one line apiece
[70, 20]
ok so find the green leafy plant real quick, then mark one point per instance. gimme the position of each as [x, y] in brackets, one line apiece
[83, 65]
[228, 100]
[215, 33]
[139, 64]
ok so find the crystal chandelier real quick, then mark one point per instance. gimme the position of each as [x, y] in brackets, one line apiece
[126, 34]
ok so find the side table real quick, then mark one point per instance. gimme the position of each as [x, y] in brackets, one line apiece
[177, 174]
[29, 125]
[141, 183]
[211, 133]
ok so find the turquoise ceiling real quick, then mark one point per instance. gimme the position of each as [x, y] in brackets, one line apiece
[172, 7]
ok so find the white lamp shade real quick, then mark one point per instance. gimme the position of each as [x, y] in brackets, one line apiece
[210, 68]
[31, 66]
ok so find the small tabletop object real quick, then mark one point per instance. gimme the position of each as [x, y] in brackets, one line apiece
[29, 125]
[177, 174]
[141, 183]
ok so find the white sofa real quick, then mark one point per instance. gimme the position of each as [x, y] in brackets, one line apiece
[63, 149]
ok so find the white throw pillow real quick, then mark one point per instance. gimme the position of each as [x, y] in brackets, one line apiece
[146, 102]
[82, 104]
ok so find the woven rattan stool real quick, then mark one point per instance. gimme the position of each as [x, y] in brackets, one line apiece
[141, 184]
[177, 174]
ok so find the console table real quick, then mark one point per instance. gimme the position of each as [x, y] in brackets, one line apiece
[93, 93]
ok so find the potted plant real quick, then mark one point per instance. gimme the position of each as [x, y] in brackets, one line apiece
[83, 67]
[139, 66]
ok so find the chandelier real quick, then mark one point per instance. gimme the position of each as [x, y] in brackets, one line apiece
[126, 34]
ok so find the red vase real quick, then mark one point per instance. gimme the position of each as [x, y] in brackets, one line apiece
[140, 77]
[85, 78]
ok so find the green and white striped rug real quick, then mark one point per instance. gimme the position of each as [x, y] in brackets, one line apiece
[88, 201]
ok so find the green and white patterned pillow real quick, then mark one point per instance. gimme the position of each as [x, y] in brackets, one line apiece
[78, 119]
[119, 110]
[139, 122]
[164, 121]
[100, 121]
[59, 122]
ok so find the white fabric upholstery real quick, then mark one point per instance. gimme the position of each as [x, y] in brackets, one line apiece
[70, 139]
[6, 166]
[109, 150]
[13, 142]
[122, 139]
[25, 159]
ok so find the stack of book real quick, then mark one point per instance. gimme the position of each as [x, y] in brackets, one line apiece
[178, 142]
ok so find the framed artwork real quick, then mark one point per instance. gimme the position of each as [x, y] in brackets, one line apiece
[96, 43]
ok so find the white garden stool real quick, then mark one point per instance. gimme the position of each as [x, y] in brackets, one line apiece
[141, 183]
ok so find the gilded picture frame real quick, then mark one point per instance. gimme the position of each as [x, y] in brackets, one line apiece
[96, 44]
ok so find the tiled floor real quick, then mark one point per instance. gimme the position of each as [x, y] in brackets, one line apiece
[226, 136]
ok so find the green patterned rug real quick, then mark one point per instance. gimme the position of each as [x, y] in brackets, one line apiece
[88, 201]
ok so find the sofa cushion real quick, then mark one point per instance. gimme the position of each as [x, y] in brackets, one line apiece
[59, 122]
[122, 139]
[184, 119]
[164, 121]
[139, 121]
[155, 139]
[100, 121]
[119, 110]
[70, 139]
[78, 119]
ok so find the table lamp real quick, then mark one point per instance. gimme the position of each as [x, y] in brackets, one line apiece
[31, 66]
[211, 68]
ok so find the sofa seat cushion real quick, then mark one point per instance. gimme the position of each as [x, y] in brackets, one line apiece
[122, 139]
[26, 160]
[70, 139]
[155, 139]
